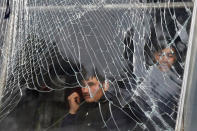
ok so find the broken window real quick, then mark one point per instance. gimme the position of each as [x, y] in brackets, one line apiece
[94, 65]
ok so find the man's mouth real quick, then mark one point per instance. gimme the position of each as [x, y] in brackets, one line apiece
[86, 96]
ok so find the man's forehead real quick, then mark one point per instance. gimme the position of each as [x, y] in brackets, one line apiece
[167, 50]
[90, 79]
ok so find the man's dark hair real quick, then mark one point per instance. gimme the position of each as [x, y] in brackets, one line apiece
[91, 73]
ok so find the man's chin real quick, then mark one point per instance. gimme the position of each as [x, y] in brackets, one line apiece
[89, 100]
[164, 68]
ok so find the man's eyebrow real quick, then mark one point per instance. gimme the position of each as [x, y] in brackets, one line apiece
[91, 83]
[171, 53]
[158, 52]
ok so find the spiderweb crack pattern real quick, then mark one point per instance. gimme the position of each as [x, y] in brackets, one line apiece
[58, 43]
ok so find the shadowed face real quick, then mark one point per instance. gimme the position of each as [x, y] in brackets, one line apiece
[165, 58]
[92, 92]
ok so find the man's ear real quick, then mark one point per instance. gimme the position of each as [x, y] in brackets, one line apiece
[106, 85]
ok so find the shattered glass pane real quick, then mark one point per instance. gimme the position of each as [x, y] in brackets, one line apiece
[93, 64]
[3, 28]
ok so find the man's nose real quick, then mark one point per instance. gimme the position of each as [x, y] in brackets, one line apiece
[164, 58]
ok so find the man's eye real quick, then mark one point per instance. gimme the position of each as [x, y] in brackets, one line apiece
[83, 84]
[159, 54]
[90, 83]
[170, 55]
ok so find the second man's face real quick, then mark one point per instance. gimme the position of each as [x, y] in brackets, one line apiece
[165, 58]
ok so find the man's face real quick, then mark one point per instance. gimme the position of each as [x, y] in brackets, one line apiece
[165, 58]
[92, 90]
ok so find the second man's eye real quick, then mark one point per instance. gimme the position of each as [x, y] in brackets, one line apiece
[170, 55]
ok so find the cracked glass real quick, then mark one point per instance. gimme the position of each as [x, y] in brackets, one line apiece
[92, 64]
